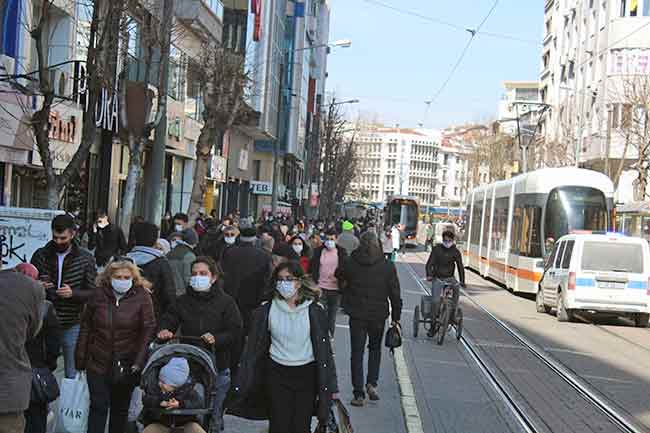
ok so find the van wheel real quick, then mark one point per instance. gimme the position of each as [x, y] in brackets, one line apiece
[641, 320]
[539, 302]
[562, 314]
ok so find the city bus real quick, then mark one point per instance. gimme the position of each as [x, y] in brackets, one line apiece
[404, 210]
[512, 224]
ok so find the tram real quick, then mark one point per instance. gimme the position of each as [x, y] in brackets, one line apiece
[404, 210]
[513, 224]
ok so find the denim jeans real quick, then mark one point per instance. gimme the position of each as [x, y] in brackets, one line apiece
[360, 332]
[222, 387]
[332, 302]
[69, 339]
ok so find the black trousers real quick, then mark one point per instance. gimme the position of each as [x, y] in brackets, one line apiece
[332, 301]
[292, 395]
[36, 418]
[360, 332]
[106, 397]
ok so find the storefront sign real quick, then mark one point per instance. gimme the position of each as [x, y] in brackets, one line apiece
[65, 137]
[218, 168]
[243, 160]
[22, 232]
[261, 188]
[107, 107]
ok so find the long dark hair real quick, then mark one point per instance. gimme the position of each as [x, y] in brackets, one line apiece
[307, 289]
[306, 250]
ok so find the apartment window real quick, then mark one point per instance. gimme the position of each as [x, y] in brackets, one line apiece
[176, 73]
[194, 98]
[443, 191]
[446, 159]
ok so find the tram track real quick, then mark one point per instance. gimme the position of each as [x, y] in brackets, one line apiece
[535, 410]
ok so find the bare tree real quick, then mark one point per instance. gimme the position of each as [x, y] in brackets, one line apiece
[155, 36]
[102, 39]
[339, 160]
[226, 85]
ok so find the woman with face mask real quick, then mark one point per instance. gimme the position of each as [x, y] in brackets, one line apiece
[287, 368]
[116, 328]
[206, 311]
[300, 252]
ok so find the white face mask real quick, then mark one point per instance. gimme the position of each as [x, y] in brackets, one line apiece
[200, 283]
[179, 228]
[330, 244]
[102, 224]
[230, 239]
[121, 286]
[173, 244]
[286, 289]
[297, 249]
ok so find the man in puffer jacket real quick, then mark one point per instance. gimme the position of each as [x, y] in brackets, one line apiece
[155, 267]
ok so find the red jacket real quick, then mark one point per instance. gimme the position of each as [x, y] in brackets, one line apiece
[133, 327]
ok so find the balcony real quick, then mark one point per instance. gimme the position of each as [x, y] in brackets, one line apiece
[202, 16]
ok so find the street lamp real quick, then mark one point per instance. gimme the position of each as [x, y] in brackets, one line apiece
[341, 43]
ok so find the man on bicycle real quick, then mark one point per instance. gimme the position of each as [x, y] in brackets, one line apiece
[443, 262]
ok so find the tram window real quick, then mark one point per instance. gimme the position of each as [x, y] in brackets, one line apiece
[500, 226]
[566, 258]
[529, 243]
[516, 230]
[558, 258]
[574, 208]
[476, 223]
[486, 222]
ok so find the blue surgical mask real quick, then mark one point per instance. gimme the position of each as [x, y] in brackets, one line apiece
[448, 244]
[121, 286]
[286, 289]
[330, 244]
[230, 240]
[200, 283]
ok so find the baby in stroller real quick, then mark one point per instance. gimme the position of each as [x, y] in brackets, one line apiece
[174, 390]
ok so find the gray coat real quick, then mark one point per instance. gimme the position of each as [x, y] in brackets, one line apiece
[20, 320]
[348, 241]
[180, 260]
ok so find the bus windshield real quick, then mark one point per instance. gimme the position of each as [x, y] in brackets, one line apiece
[404, 213]
[574, 208]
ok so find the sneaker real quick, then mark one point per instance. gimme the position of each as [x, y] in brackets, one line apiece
[372, 392]
[358, 401]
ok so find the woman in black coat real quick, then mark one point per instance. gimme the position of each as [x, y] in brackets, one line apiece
[287, 368]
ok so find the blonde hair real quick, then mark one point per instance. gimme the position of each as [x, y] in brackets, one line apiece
[104, 278]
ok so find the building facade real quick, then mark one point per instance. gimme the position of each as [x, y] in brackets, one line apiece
[593, 51]
[396, 161]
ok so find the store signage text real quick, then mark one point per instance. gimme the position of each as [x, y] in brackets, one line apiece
[62, 130]
[261, 188]
[107, 108]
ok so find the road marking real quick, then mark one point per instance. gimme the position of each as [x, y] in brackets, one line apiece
[407, 394]
[343, 326]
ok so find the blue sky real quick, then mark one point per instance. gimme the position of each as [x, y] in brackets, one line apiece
[398, 61]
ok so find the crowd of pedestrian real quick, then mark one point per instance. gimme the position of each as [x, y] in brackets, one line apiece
[261, 298]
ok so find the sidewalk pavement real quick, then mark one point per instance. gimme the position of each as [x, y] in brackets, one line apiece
[384, 416]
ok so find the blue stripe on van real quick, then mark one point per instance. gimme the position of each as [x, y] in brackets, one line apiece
[636, 285]
[585, 282]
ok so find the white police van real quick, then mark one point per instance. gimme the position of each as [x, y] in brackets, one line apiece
[597, 273]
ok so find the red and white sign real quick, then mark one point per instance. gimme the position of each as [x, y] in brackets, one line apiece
[256, 8]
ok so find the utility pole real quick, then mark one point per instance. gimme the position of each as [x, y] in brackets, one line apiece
[154, 180]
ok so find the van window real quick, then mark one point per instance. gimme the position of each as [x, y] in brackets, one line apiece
[558, 258]
[612, 257]
[549, 260]
[568, 250]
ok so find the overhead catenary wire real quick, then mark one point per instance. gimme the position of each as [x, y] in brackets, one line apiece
[449, 24]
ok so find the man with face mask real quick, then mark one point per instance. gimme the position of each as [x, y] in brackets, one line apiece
[106, 239]
[441, 267]
[68, 274]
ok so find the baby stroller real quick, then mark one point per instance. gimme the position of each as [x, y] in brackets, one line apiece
[202, 372]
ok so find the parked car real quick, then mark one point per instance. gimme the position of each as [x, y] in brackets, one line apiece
[597, 273]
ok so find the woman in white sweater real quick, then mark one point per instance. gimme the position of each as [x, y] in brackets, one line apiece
[287, 373]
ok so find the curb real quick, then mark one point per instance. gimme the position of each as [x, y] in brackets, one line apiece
[407, 394]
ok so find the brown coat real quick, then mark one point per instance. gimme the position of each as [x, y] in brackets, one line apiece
[133, 328]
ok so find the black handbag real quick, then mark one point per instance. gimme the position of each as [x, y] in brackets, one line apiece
[393, 338]
[121, 368]
[45, 388]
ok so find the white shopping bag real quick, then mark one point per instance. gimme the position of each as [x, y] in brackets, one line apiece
[74, 404]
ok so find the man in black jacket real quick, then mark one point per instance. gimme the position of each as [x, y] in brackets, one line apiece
[106, 239]
[370, 282]
[68, 274]
[441, 267]
[155, 267]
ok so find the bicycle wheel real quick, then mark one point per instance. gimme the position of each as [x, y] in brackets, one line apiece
[459, 324]
[444, 322]
[416, 321]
